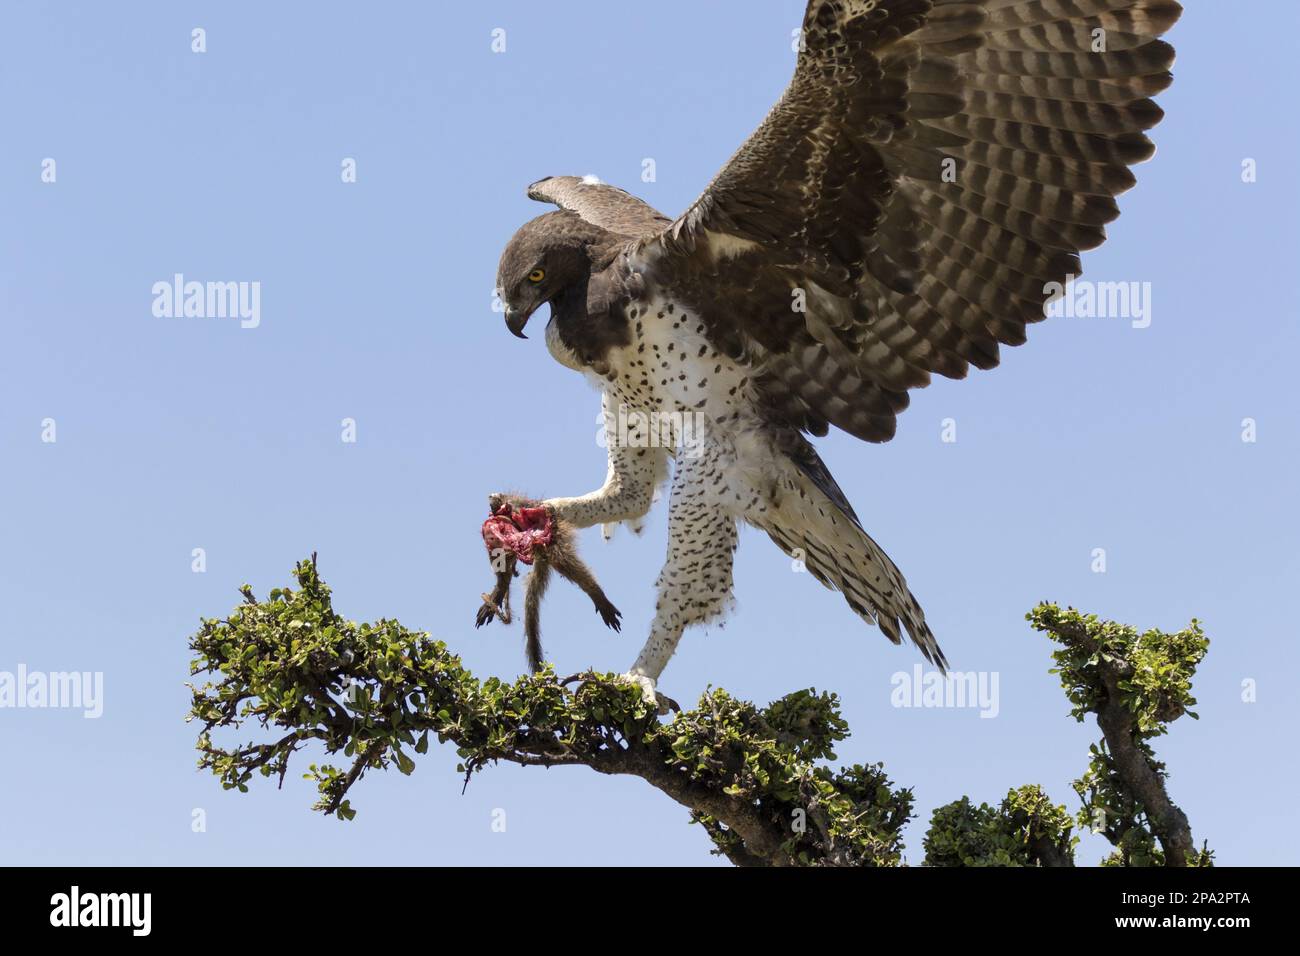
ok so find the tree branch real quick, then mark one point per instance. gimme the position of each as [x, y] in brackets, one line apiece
[757, 780]
[1135, 685]
[750, 776]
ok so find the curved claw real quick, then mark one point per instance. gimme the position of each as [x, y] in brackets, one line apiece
[663, 705]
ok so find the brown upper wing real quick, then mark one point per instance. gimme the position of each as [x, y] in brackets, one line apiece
[930, 169]
[606, 206]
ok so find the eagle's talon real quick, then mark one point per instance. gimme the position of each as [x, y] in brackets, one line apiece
[514, 500]
[661, 704]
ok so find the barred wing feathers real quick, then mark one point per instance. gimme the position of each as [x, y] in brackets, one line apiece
[931, 168]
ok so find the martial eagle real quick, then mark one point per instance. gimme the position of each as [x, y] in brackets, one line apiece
[933, 169]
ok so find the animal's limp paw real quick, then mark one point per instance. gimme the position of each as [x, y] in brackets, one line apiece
[610, 615]
[488, 610]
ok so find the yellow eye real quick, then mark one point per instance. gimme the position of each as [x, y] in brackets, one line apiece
[537, 275]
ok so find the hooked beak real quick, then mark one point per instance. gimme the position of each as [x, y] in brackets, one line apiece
[516, 319]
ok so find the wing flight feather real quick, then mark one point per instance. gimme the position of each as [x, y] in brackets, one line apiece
[932, 167]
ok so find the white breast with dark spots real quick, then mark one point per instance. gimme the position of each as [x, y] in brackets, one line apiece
[670, 366]
[670, 377]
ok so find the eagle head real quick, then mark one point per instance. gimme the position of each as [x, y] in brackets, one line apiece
[548, 257]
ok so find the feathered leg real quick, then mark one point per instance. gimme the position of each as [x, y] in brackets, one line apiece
[695, 583]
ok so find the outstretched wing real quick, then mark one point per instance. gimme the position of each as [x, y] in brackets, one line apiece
[606, 206]
[931, 168]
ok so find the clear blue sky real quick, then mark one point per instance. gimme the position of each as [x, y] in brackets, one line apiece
[174, 434]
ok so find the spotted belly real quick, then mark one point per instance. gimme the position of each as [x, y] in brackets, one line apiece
[670, 365]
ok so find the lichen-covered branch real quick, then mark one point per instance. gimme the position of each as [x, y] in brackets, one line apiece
[756, 779]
